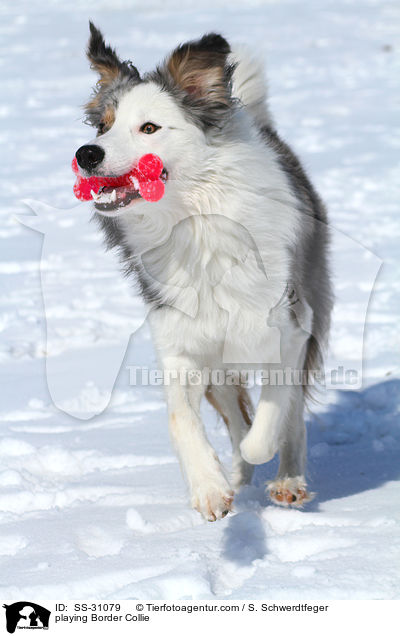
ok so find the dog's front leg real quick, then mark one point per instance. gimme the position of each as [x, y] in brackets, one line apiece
[210, 491]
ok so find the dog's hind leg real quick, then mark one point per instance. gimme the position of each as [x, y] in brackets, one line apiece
[289, 487]
[235, 408]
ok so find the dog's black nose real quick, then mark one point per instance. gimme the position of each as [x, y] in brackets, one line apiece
[88, 157]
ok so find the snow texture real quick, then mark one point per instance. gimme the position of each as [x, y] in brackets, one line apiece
[96, 507]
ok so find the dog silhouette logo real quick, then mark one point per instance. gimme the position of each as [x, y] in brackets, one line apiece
[26, 615]
[88, 319]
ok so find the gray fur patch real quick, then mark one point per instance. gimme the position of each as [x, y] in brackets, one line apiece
[198, 76]
[116, 77]
[309, 263]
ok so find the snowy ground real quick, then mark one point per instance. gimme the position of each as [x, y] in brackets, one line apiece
[97, 508]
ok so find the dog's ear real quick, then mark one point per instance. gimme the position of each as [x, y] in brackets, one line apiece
[105, 61]
[200, 69]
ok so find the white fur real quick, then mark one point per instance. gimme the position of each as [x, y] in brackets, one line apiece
[249, 84]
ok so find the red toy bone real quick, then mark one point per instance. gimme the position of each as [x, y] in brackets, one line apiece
[146, 174]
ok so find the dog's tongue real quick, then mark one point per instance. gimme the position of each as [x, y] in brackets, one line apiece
[146, 173]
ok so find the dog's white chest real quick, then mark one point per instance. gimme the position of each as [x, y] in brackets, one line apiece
[217, 292]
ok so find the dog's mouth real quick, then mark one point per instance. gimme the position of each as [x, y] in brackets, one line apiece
[111, 199]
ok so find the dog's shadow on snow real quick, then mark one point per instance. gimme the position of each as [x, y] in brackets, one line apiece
[353, 446]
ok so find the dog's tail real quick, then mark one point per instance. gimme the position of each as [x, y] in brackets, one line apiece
[249, 85]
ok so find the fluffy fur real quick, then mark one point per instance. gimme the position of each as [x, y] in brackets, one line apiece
[232, 260]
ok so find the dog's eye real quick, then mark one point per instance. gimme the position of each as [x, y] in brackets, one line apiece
[100, 128]
[149, 128]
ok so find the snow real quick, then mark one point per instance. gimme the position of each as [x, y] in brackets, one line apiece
[96, 507]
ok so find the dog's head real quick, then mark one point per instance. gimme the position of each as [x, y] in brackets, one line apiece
[173, 112]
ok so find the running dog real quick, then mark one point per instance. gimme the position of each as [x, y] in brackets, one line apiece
[232, 260]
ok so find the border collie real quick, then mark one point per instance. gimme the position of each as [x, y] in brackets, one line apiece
[232, 260]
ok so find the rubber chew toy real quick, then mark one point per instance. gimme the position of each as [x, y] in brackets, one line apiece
[145, 177]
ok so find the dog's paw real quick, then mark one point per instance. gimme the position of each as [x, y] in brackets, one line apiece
[213, 499]
[260, 445]
[290, 491]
